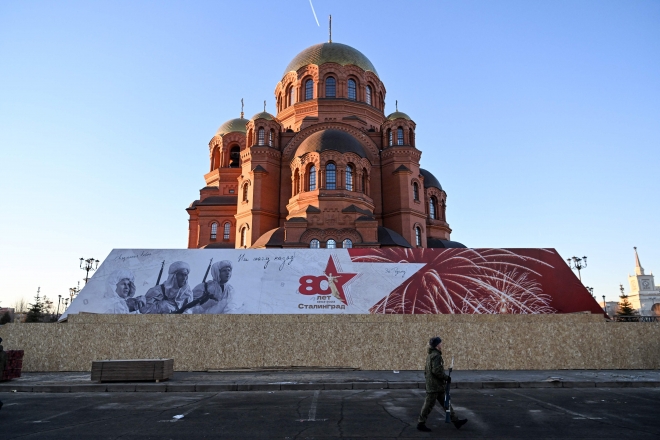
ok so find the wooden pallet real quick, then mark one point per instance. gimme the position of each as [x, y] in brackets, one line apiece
[132, 370]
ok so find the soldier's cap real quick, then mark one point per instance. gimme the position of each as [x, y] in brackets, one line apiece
[435, 341]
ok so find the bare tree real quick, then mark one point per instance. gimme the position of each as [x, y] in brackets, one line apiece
[20, 306]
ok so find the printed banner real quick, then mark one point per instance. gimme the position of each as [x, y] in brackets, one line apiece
[358, 281]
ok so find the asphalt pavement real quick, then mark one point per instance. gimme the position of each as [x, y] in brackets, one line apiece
[548, 413]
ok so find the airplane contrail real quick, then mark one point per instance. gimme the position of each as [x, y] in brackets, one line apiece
[314, 12]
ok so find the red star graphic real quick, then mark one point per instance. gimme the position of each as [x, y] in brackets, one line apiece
[339, 279]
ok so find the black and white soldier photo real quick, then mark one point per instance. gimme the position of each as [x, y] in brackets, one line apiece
[172, 294]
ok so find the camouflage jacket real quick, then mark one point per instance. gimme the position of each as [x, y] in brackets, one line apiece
[435, 372]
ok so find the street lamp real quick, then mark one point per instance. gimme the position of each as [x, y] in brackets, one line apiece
[88, 265]
[578, 264]
[591, 290]
[73, 291]
[59, 300]
[604, 304]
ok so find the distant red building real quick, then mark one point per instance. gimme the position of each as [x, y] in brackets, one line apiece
[330, 170]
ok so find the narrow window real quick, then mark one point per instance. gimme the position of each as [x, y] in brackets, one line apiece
[418, 236]
[330, 87]
[292, 96]
[312, 178]
[330, 176]
[347, 244]
[415, 191]
[245, 192]
[214, 230]
[225, 232]
[411, 137]
[309, 89]
[270, 138]
[331, 244]
[352, 93]
[432, 208]
[349, 177]
[261, 136]
[244, 236]
[364, 181]
[399, 136]
[234, 156]
[389, 137]
[368, 94]
[314, 244]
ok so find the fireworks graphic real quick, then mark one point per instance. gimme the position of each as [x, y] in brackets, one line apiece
[478, 281]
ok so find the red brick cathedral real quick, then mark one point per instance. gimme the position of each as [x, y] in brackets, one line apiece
[330, 170]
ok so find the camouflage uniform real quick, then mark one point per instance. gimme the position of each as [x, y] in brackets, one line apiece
[435, 385]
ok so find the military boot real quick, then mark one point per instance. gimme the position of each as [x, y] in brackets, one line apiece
[422, 427]
[460, 422]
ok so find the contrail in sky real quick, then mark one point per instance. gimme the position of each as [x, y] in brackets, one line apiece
[314, 12]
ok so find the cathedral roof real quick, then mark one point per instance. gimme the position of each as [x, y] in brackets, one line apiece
[263, 115]
[441, 244]
[330, 53]
[429, 180]
[398, 115]
[330, 139]
[233, 125]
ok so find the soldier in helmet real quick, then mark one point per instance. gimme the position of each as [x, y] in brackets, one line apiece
[434, 372]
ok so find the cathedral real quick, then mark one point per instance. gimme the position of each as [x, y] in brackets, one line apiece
[330, 170]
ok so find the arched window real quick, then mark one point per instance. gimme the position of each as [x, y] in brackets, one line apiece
[214, 230]
[411, 137]
[389, 137]
[225, 232]
[330, 87]
[399, 136]
[432, 208]
[292, 95]
[415, 191]
[349, 177]
[245, 192]
[309, 89]
[330, 176]
[261, 136]
[352, 94]
[331, 244]
[367, 93]
[270, 137]
[312, 178]
[381, 102]
[347, 244]
[418, 236]
[314, 244]
[234, 157]
[244, 236]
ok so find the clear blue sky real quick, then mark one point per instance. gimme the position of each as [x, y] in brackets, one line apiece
[541, 119]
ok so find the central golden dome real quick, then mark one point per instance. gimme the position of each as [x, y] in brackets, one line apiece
[330, 53]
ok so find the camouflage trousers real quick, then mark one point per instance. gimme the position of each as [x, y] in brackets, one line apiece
[429, 403]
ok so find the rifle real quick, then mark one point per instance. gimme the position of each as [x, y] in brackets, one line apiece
[202, 299]
[160, 274]
[447, 395]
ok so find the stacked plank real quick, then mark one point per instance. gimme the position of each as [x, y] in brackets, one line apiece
[14, 365]
[127, 370]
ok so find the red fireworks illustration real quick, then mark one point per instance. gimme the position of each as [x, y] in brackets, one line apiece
[477, 281]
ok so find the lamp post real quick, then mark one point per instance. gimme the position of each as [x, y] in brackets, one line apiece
[73, 291]
[604, 304]
[59, 300]
[88, 265]
[591, 290]
[577, 263]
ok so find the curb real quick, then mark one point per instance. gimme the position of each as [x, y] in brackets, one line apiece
[217, 388]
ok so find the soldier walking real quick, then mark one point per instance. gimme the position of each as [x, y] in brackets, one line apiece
[434, 372]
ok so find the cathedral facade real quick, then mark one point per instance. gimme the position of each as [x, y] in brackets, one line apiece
[330, 170]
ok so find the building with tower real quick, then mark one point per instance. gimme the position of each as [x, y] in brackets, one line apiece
[644, 294]
[330, 170]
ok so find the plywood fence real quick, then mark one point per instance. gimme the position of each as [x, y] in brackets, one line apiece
[370, 342]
